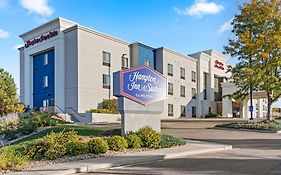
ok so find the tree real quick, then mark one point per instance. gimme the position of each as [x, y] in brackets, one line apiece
[8, 93]
[258, 49]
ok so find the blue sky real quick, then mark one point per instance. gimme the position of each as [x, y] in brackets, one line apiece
[186, 26]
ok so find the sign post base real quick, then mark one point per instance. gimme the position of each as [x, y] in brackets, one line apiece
[135, 116]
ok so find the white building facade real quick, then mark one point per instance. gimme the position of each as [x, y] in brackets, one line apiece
[69, 66]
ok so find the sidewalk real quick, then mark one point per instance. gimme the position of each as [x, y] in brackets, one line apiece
[90, 165]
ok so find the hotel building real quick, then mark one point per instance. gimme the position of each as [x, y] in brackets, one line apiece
[70, 67]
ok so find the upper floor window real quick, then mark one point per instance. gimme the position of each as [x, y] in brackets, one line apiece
[170, 69]
[182, 73]
[45, 59]
[170, 89]
[193, 76]
[182, 90]
[45, 81]
[106, 81]
[106, 57]
[125, 62]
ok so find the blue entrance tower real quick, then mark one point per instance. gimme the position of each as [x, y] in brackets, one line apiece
[43, 79]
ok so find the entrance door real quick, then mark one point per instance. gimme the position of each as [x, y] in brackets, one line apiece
[194, 112]
[43, 80]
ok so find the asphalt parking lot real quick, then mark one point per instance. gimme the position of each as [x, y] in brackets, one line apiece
[253, 153]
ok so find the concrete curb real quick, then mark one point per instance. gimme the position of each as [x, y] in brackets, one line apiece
[91, 165]
[205, 120]
[247, 130]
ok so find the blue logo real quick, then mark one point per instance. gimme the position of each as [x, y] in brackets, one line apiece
[143, 85]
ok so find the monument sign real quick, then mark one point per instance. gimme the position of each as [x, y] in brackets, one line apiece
[140, 91]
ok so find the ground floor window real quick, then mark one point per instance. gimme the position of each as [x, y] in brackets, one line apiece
[182, 111]
[106, 81]
[45, 103]
[194, 111]
[170, 110]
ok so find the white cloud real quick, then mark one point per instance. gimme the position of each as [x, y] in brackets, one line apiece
[3, 3]
[4, 34]
[200, 8]
[226, 26]
[37, 6]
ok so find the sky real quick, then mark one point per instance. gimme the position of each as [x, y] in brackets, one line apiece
[186, 26]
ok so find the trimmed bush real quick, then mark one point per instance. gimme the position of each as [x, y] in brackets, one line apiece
[103, 111]
[168, 141]
[134, 141]
[149, 137]
[37, 149]
[107, 107]
[117, 143]
[76, 148]
[11, 159]
[211, 115]
[97, 146]
[28, 128]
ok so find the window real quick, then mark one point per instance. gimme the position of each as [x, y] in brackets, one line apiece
[45, 103]
[45, 81]
[205, 86]
[182, 111]
[193, 92]
[147, 63]
[106, 58]
[125, 63]
[182, 91]
[106, 81]
[170, 69]
[170, 110]
[182, 73]
[194, 112]
[170, 89]
[193, 76]
[45, 59]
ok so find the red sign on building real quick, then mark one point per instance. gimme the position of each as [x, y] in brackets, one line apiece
[219, 65]
[41, 38]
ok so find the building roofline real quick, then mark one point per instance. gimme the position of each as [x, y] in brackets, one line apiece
[45, 24]
[178, 54]
[77, 26]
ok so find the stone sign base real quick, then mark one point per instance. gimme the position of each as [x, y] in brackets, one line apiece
[135, 116]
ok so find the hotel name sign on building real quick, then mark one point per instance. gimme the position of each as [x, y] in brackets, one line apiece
[143, 85]
[44, 37]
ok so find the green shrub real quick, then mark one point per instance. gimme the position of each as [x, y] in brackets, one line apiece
[75, 145]
[36, 150]
[149, 137]
[44, 119]
[107, 107]
[57, 145]
[134, 141]
[211, 115]
[103, 111]
[97, 146]
[117, 143]
[111, 104]
[28, 128]
[168, 141]
[10, 159]
[76, 148]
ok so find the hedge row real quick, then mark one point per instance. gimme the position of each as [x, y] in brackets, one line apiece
[56, 145]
